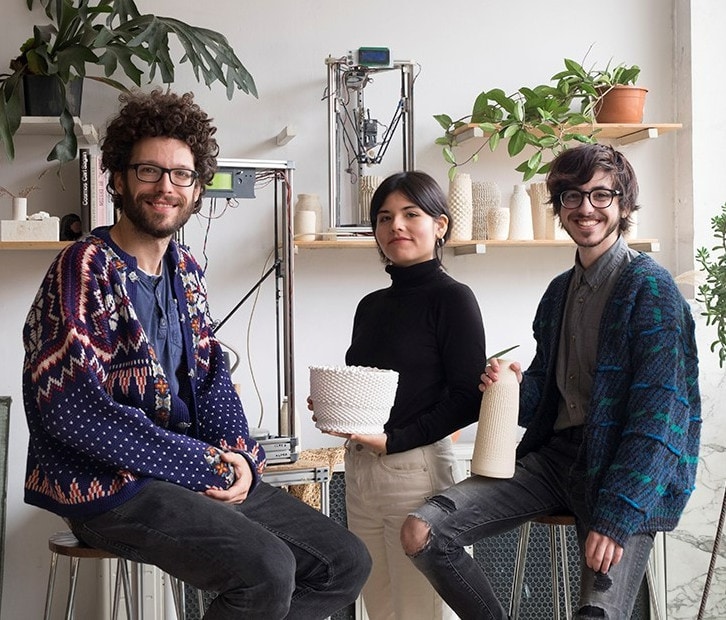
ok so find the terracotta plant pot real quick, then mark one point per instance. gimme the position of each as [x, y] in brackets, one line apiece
[622, 104]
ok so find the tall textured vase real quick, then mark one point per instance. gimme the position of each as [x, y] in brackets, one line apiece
[538, 197]
[311, 202]
[367, 186]
[496, 435]
[460, 206]
[485, 195]
[520, 214]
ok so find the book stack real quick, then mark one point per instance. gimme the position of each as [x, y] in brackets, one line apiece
[96, 203]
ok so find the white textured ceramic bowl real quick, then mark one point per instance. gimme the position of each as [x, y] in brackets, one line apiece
[352, 399]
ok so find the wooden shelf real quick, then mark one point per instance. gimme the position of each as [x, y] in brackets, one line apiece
[471, 247]
[33, 245]
[620, 133]
[50, 126]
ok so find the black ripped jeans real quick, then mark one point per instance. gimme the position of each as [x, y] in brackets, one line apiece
[546, 482]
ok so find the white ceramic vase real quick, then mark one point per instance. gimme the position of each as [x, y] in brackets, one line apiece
[366, 188]
[304, 225]
[498, 223]
[538, 197]
[496, 435]
[485, 195]
[460, 207]
[20, 208]
[310, 202]
[520, 214]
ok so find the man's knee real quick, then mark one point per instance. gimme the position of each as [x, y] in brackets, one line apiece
[415, 534]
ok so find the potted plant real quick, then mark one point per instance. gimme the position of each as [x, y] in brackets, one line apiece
[546, 117]
[712, 294]
[108, 35]
[611, 92]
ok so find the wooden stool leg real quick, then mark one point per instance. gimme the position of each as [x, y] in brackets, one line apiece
[72, 588]
[51, 585]
[519, 563]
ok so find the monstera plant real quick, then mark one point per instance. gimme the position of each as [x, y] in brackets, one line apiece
[86, 38]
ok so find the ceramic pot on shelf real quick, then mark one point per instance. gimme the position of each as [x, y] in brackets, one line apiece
[538, 197]
[460, 206]
[367, 186]
[520, 215]
[309, 202]
[485, 195]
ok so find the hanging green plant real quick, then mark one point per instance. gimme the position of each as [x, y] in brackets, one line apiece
[546, 117]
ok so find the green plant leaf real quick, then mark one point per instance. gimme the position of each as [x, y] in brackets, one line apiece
[499, 354]
[444, 120]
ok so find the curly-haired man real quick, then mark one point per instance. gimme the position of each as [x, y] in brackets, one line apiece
[137, 437]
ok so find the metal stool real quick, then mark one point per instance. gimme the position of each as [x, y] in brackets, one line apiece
[66, 544]
[557, 525]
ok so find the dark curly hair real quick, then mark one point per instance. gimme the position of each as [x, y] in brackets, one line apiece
[159, 114]
[575, 167]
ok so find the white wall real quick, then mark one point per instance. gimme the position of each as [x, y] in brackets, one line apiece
[463, 47]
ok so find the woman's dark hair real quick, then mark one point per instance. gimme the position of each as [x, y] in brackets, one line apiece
[575, 167]
[421, 189]
[159, 114]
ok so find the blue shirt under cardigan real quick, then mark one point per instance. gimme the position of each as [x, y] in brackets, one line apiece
[644, 420]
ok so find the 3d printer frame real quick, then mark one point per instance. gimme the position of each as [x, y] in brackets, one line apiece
[340, 74]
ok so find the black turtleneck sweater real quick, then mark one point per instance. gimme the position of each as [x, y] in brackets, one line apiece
[428, 328]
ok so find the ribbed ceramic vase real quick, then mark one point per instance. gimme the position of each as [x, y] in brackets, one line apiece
[460, 206]
[496, 435]
[311, 202]
[485, 195]
[538, 197]
[366, 188]
[498, 223]
[520, 214]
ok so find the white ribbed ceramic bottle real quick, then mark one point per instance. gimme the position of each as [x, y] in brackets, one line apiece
[496, 434]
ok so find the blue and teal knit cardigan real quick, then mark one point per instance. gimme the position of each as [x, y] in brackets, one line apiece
[644, 420]
[101, 418]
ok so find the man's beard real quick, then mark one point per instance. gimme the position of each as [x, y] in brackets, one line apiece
[154, 224]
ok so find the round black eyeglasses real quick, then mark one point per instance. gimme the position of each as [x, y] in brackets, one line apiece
[149, 173]
[599, 198]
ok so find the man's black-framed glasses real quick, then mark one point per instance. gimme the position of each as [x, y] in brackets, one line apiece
[599, 198]
[150, 173]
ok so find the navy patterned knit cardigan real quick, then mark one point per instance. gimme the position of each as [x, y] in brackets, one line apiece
[644, 420]
[102, 420]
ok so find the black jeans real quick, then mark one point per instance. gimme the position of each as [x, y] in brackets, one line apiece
[548, 481]
[270, 557]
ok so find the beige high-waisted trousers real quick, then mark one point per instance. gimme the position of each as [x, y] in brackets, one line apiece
[380, 491]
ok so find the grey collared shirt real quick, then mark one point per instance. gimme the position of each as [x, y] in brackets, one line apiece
[587, 295]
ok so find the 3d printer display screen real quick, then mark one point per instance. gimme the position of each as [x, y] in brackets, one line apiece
[221, 181]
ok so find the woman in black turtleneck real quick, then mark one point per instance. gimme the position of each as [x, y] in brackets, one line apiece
[427, 327]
